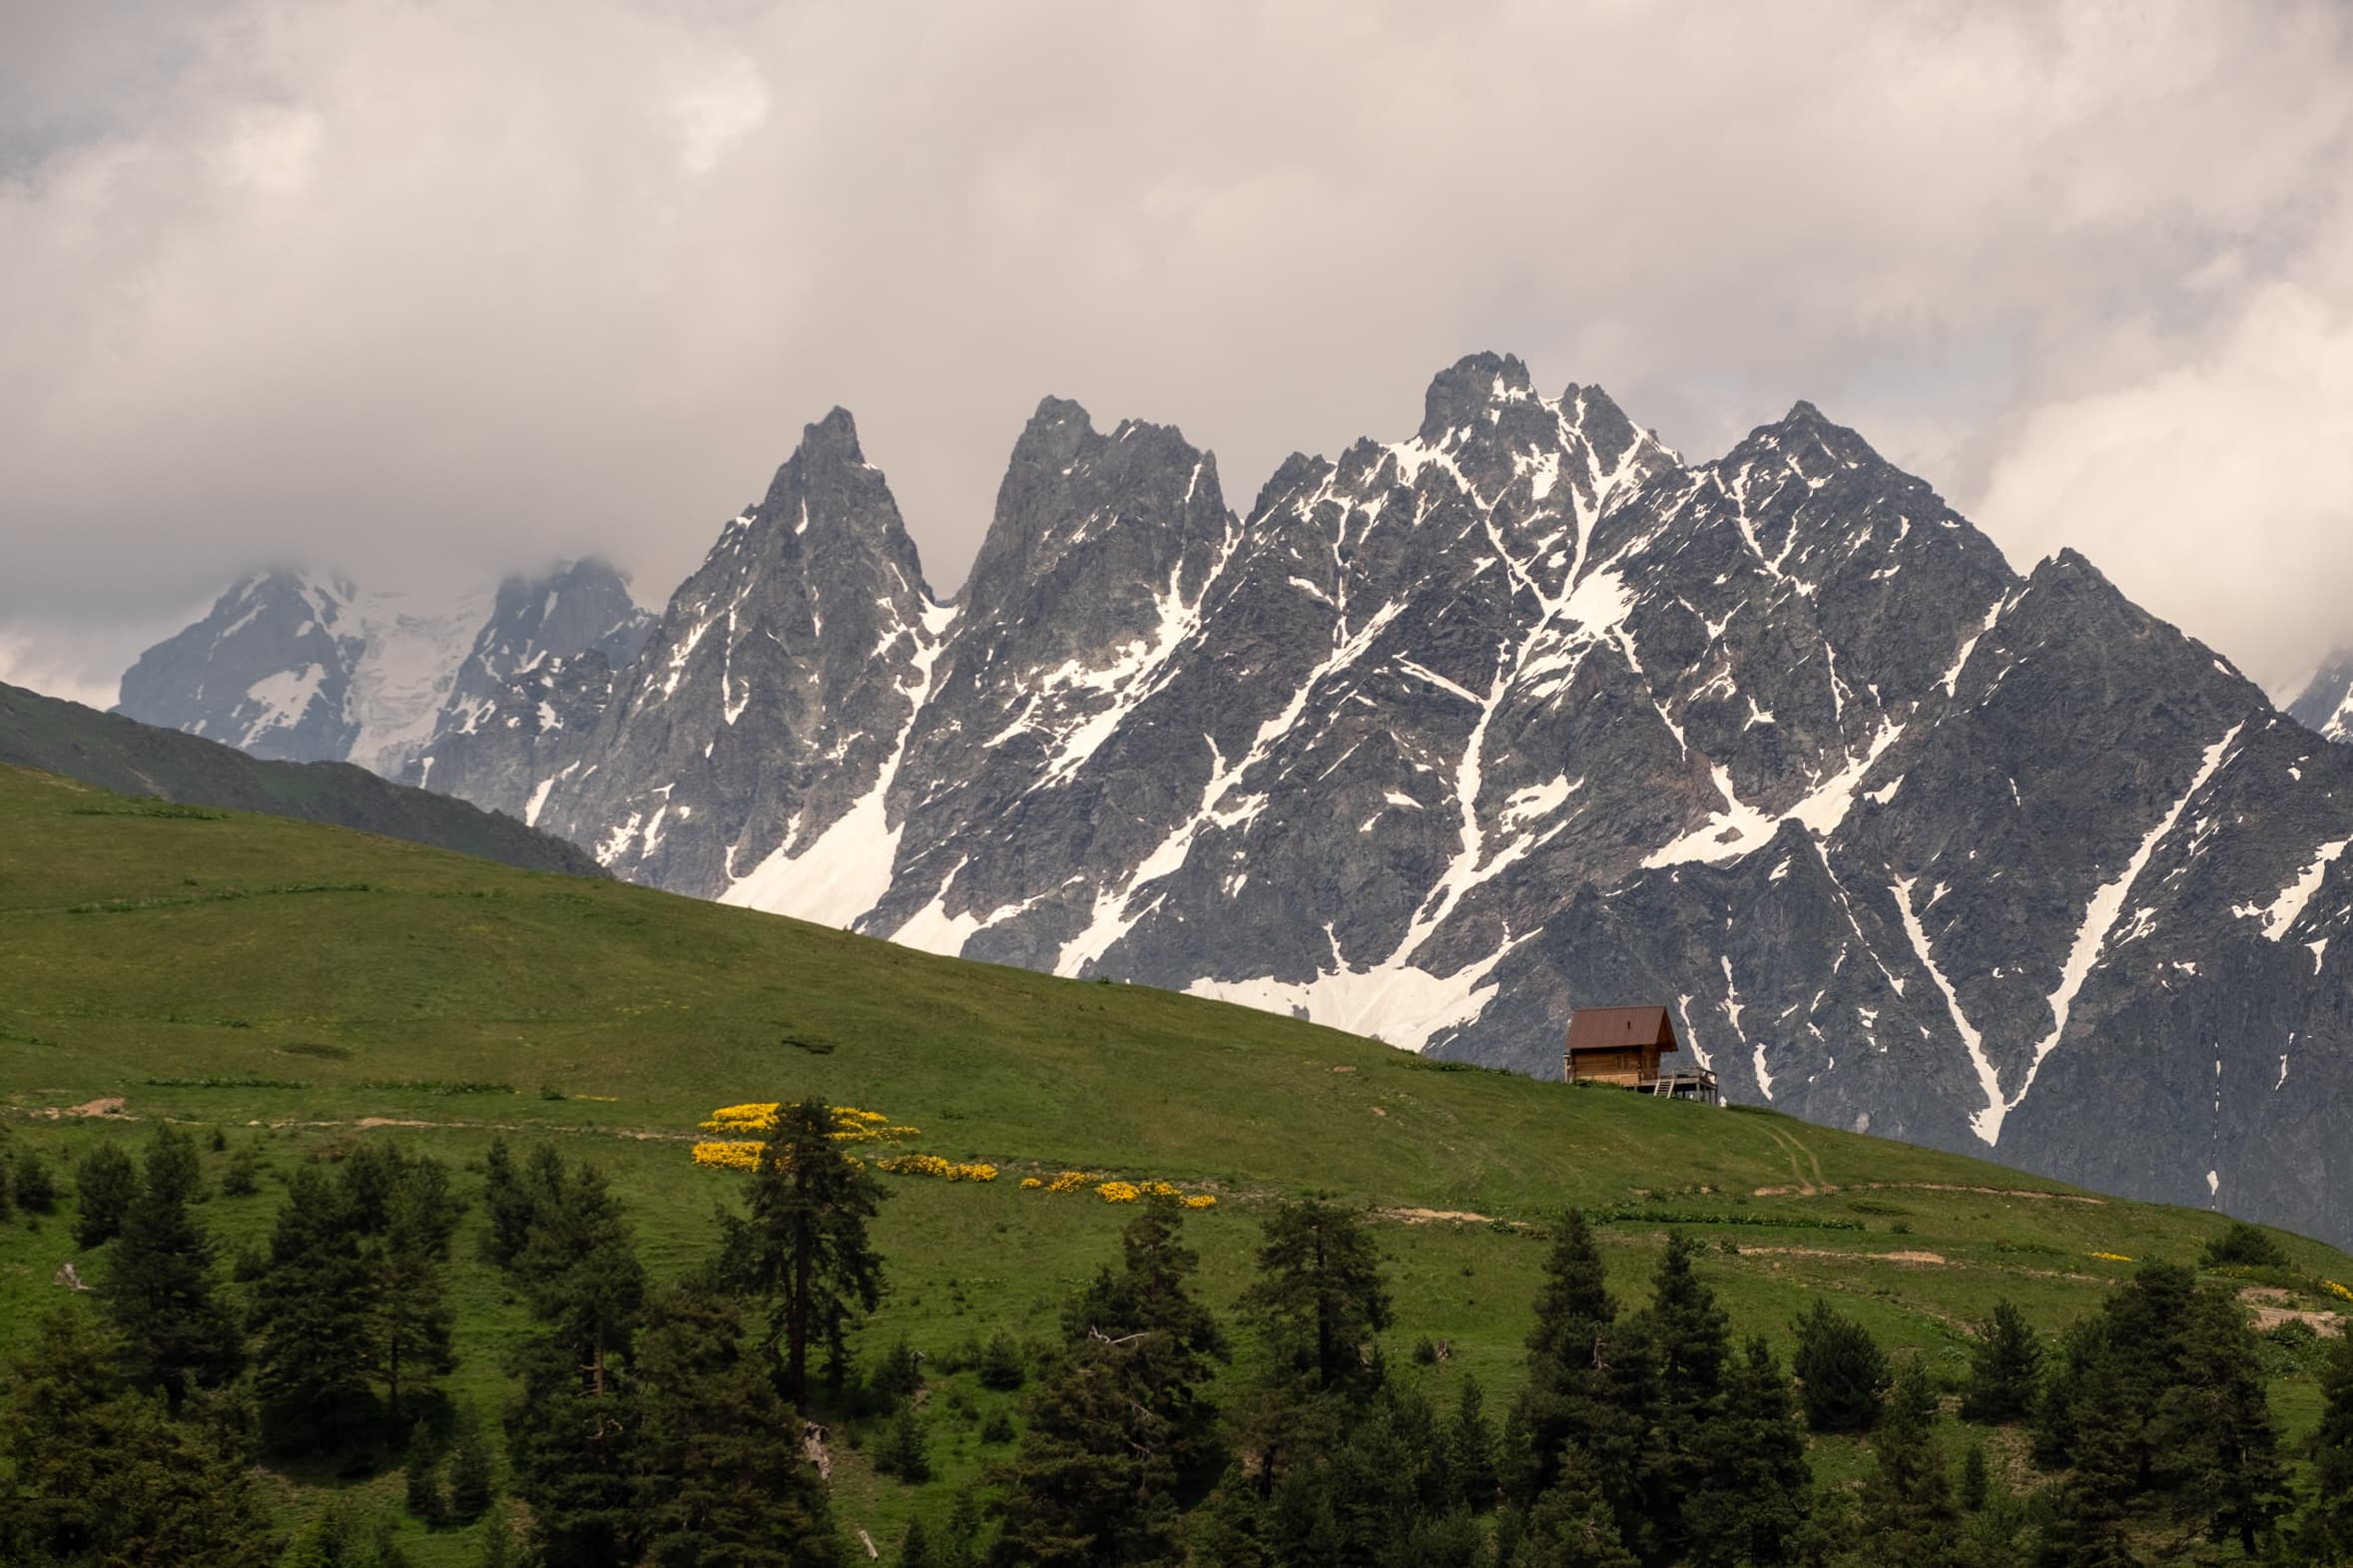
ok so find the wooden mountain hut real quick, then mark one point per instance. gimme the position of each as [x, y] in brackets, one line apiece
[1624, 1046]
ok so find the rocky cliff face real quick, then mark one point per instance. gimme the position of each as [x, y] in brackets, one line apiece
[2326, 702]
[1455, 734]
[304, 666]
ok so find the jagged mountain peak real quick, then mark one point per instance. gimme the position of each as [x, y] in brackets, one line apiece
[835, 434]
[1120, 512]
[1466, 391]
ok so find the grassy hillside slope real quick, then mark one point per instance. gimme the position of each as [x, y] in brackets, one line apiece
[131, 757]
[301, 988]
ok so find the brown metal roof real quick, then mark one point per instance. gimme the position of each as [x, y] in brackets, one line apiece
[1621, 1028]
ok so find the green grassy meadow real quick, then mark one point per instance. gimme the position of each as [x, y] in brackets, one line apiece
[280, 982]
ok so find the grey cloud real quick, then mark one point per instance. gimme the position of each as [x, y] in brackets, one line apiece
[430, 289]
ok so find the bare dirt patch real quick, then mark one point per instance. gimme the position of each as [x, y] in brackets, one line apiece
[1916, 1260]
[1809, 1191]
[111, 1105]
[1430, 1216]
[2327, 1324]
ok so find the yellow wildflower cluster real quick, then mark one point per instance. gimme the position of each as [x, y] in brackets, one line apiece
[742, 1118]
[1130, 1192]
[850, 1125]
[933, 1165]
[742, 1153]
[2337, 1290]
[2114, 1258]
[1113, 1192]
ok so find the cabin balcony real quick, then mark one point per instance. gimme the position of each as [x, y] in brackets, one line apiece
[1695, 1083]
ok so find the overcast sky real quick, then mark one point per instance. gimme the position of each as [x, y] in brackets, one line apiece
[426, 290]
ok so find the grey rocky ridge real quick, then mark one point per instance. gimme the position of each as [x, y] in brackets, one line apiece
[298, 666]
[2325, 701]
[1451, 735]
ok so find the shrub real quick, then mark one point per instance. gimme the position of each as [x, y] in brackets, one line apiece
[244, 1177]
[103, 1191]
[1843, 1370]
[903, 1452]
[2247, 1246]
[1003, 1366]
[36, 1189]
[998, 1428]
[2003, 1368]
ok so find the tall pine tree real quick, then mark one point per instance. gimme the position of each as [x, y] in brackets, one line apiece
[578, 1267]
[1119, 1430]
[1573, 1525]
[1753, 1489]
[803, 1248]
[415, 1322]
[1568, 1350]
[1688, 1344]
[1841, 1370]
[177, 1335]
[1320, 1291]
[717, 1470]
[2004, 1370]
[103, 1191]
[2326, 1534]
[1909, 1513]
[313, 1323]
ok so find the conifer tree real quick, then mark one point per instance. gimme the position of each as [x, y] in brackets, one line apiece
[498, 1542]
[2089, 1528]
[1118, 1425]
[2214, 1419]
[1319, 1289]
[96, 1473]
[1753, 1489]
[420, 1475]
[904, 1454]
[34, 1189]
[2160, 1407]
[803, 1246]
[1841, 1370]
[1564, 1399]
[578, 1269]
[571, 1434]
[178, 1336]
[718, 1475]
[312, 1324]
[341, 1536]
[472, 1488]
[914, 1548]
[509, 1204]
[103, 1189]
[1573, 1525]
[1691, 1344]
[1472, 1451]
[569, 1448]
[414, 1326]
[1908, 1511]
[1976, 1482]
[962, 1546]
[2005, 1368]
[2326, 1535]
